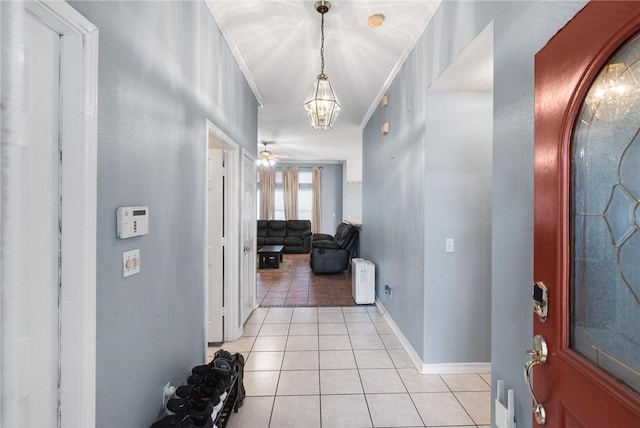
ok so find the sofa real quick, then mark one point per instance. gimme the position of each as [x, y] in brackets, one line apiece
[332, 254]
[295, 235]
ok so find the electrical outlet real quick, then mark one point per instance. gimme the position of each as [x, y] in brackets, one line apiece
[388, 291]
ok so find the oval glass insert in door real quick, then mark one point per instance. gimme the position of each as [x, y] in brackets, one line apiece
[605, 220]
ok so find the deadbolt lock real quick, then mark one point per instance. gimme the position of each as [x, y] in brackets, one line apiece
[540, 300]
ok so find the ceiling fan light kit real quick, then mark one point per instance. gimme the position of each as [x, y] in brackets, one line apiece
[266, 158]
[321, 104]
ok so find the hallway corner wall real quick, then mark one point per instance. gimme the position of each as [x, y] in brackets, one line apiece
[394, 230]
[164, 68]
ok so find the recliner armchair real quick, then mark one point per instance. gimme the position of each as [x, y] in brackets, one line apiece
[331, 254]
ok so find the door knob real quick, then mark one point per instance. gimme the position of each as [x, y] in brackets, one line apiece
[539, 355]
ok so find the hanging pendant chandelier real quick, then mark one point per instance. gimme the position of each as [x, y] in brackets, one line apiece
[321, 104]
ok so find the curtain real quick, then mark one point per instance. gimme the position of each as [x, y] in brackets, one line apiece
[267, 193]
[316, 206]
[290, 192]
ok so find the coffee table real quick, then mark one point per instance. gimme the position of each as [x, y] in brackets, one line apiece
[270, 256]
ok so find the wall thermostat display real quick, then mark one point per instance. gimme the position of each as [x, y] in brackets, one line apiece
[132, 221]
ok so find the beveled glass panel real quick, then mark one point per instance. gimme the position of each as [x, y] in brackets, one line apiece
[605, 232]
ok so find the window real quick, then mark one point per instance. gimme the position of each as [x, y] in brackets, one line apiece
[305, 195]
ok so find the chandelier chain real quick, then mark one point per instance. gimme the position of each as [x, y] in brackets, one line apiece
[322, 44]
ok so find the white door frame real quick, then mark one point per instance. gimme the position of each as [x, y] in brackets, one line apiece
[78, 136]
[232, 329]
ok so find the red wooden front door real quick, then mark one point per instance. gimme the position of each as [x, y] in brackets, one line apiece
[587, 218]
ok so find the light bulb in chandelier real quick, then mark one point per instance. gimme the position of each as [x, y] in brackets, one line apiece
[322, 105]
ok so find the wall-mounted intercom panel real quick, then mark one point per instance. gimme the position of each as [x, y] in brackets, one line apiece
[132, 221]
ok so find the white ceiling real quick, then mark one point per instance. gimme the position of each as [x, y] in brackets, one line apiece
[277, 44]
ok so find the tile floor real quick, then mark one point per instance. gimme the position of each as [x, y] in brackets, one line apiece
[343, 367]
[297, 285]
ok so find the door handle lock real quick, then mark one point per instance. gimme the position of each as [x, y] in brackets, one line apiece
[539, 355]
[247, 249]
[540, 300]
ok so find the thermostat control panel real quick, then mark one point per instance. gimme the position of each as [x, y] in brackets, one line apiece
[132, 221]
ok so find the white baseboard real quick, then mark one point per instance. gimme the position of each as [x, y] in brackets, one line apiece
[445, 368]
[456, 368]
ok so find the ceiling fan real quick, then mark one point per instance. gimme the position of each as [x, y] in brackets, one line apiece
[266, 158]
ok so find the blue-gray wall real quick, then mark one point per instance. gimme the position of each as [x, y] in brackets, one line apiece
[457, 198]
[395, 238]
[331, 197]
[351, 201]
[164, 68]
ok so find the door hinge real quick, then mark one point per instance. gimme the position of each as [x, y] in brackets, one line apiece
[224, 171]
[224, 241]
[224, 311]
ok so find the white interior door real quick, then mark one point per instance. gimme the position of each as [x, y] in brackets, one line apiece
[37, 355]
[215, 243]
[248, 290]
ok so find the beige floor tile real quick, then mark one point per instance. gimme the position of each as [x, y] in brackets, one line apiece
[333, 328]
[391, 341]
[269, 343]
[244, 344]
[383, 328]
[330, 317]
[296, 412]
[416, 382]
[477, 404]
[251, 329]
[361, 328]
[257, 316]
[373, 359]
[274, 330]
[301, 360]
[357, 317]
[261, 383]
[376, 317]
[329, 310]
[340, 382]
[255, 413]
[299, 382]
[486, 377]
[378, 381]
[334, 343]
[305, 311]
[366, 341]
[393, 410]
[302, 343]
[340, 411]
[337, 360]
[400, 359]
[352, 309]
[264, 361]
[465, 382]
[303, 329]
[440, 409]
[279, 315]
[305, 315]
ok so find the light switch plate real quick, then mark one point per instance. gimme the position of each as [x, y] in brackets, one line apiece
[131, 262]
[448, 245]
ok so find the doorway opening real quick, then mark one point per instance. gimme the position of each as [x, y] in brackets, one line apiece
[222, 237]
